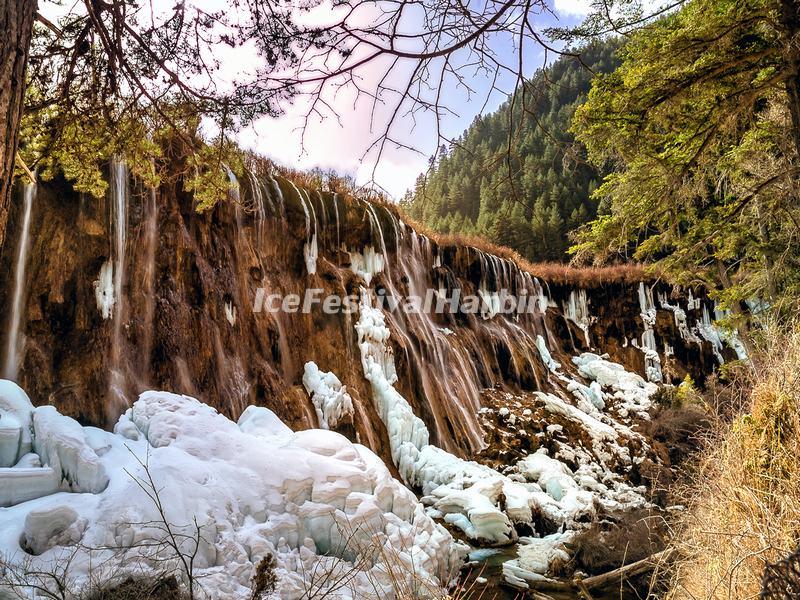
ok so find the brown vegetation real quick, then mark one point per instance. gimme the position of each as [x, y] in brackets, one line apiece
[745, 497]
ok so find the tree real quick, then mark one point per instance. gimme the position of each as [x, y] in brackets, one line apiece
[699, 126]
[123, 72]
[482, 174]
[111, 76]
[16, 22]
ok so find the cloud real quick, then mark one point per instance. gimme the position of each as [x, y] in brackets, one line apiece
[573, 8]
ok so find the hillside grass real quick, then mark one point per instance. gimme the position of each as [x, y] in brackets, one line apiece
[745, 497]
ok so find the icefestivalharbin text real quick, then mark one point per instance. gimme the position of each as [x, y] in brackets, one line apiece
[487, 304]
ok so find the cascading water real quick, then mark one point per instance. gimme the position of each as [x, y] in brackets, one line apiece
[148, 287]
[119, 229]
[310, 249]
[13, 345]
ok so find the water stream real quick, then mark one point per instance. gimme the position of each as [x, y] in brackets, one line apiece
[14, 343]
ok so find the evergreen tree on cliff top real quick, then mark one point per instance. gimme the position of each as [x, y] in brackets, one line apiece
[524, 188]
[701, 126]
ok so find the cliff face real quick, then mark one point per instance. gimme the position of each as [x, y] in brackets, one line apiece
[187, 317]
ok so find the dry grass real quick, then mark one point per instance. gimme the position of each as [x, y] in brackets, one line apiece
[552, 272]
[745, 502]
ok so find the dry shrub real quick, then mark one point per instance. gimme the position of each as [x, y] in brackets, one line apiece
[745, 499]
[141, 588]
[612, 543]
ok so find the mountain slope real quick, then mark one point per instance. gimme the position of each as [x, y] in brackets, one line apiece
[526, 194]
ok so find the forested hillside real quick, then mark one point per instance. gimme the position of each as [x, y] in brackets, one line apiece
[528, 189]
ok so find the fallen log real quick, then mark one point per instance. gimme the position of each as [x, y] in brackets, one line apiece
[627, 571]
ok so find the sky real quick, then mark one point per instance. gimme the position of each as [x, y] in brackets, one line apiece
[341, 144]
[341, 141]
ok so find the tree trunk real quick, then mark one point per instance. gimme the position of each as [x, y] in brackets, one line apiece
[790, 21]
[16, 25]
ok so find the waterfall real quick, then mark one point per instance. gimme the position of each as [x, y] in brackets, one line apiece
[119, 225]
[151, 240]
[11, 366]
[310, 248]
[119, 229]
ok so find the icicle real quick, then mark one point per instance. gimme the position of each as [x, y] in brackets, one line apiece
[680, 318]
[576, 310]
[716, 336]
[13, 342]
[230, 313]
[652, 360]
[366, 264]
[104, 290]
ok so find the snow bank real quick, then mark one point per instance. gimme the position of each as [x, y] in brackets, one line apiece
[315, 501]
[330, 398]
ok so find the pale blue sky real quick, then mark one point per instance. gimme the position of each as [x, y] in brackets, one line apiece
[340, 144]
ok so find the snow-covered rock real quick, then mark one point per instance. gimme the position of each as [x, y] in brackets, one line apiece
[485, 504]
[15, 415]
[534, 557]
[313, 500]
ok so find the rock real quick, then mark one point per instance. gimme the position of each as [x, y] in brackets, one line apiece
[45, 528]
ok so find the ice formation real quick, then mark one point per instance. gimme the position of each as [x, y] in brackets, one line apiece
[534, 556]
[576, 309]
[104, 290]
[311, 253]
[366, 264]
[652, 361]
[484, 504]
[680, 318]
[315, 501]
[329, 397]
[547, 359]
[230, 313]
[42, 451]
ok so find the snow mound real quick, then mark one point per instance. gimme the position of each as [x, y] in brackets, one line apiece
[630, 390]
[313, 500]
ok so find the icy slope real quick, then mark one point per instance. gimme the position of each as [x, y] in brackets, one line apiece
[485, 504]
[254, 488]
